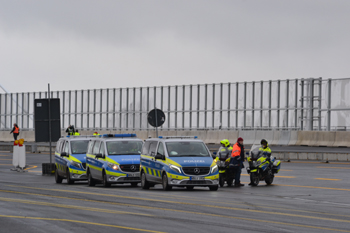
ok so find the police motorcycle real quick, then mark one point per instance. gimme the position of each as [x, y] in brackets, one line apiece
[226, 172]
[262, 167]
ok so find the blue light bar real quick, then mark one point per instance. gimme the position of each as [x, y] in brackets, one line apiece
[160, 137]
[123, 135]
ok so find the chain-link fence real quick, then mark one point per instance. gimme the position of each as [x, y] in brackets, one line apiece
[299, 104]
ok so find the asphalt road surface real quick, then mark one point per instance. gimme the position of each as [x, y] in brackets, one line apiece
[305, 197]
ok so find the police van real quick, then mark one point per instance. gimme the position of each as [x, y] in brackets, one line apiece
[114, 158]
[177, 161]
[70, 158]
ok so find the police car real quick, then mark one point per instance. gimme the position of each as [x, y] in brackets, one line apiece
[70, 158]
[177, 161]
[114, 158]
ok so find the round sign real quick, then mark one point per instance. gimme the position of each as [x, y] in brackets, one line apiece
[156, 117]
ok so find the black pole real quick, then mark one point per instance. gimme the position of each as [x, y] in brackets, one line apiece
[49, 123]
[155, 113]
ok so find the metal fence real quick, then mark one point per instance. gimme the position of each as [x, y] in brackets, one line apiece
[299, 104]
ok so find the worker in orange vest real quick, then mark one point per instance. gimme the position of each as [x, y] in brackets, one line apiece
[15, 131]
[237, 160]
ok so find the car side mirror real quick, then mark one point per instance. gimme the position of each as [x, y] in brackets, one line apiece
[99, 156]
[64, 154]
[159, 156]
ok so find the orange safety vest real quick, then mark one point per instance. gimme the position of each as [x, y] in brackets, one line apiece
[236, 150]
[16, 130]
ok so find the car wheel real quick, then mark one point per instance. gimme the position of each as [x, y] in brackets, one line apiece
[91, 181]
[69, 180]
[165, 183]
[144, 182]
[105, 181]
[58, 178]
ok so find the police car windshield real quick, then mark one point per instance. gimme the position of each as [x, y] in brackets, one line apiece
[124, 147]
[79, 147]
[187, 149]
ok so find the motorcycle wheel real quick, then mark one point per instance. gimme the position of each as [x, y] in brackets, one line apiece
[221, 180]
[254, 179]
[229, 182]
[269, 178]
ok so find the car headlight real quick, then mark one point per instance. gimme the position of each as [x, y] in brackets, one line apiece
[175, 168]
[113, 166]
[76, 164]
[214, 169]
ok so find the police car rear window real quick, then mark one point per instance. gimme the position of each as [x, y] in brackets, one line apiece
[187, 149]
[124, 147]
[79, 147]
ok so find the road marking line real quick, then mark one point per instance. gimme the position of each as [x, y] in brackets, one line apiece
[311, 187]
[30, 167]
[335, 167]
[76, 221]
[188, 203]
[289, 177]
[196, 199]
[325, 179]
[70, 206]
[191, 212]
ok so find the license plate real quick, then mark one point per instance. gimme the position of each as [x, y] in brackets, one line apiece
[197, 178]
[134, 175]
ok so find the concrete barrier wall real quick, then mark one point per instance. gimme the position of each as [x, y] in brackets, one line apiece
[285, 138]
[342, 139]
[267, 135]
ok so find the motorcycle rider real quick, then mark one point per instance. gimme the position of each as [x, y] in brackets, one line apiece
[265, 148]
[237, 160]
[225, 147]
[266, 151]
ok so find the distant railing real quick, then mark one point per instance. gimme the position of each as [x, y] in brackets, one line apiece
[299, 104]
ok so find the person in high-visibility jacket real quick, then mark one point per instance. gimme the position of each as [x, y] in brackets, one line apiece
[225, 148]
[265, 148]
[237, 160]
[96, 134]
[76, 133]
[15, 131]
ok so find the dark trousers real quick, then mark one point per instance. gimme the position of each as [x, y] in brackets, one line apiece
[15, 135]
[238, 171]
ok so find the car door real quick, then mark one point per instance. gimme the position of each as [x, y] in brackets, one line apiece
[94, 161]
[159, 163]
[152, 174]
[64, 159]
[101, 161]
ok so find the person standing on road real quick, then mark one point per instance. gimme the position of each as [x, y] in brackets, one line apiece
[70, 130]
[237, 160]
[15, 131]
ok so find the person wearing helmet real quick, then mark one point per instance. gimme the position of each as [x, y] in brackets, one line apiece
[265, 148]
[224, 150]
[237, 160]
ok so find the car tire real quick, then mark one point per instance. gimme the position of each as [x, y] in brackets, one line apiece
[144, 182]
[69, 180]
[105, 181]
[214, 188]
[165, 183]
[58, 178]
[91, 181]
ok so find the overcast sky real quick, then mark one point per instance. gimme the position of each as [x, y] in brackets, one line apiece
[110, 44]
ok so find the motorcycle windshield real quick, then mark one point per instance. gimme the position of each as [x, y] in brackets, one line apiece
[255, 153]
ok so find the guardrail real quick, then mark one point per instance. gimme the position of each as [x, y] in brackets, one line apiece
[275, 138]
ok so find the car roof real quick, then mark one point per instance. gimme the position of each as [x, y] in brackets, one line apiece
[176, 139]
